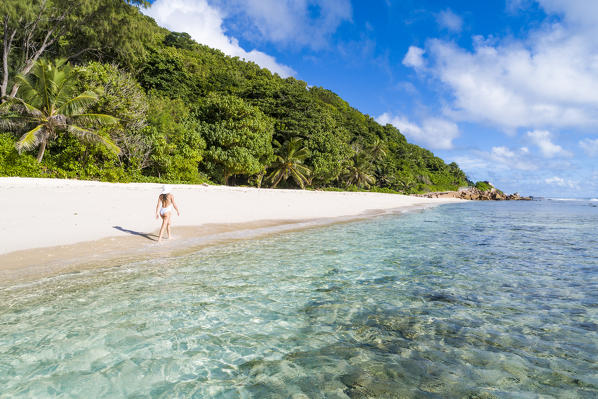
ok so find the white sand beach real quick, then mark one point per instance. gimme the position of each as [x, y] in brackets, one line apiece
[41, 213]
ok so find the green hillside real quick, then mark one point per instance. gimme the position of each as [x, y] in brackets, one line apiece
[188, 113]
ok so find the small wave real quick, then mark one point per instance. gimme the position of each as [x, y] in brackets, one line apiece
[594, 200]
[564, 199]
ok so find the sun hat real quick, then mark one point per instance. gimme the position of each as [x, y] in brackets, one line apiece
[165, 189]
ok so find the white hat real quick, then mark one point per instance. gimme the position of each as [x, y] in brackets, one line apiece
[165, 189]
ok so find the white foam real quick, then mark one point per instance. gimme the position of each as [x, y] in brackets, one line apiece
[564, 199]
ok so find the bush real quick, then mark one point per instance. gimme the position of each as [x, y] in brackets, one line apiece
[13, 164]
[385, 190]
[484, 186]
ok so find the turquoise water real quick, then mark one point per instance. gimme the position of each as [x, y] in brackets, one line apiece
[476, 300]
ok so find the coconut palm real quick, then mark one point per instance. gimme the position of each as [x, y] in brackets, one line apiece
[47, 104]
[406, 183]
[359, 172]
[377, 149]
[288, 162]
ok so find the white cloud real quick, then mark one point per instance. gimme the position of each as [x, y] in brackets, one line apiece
[582, 13]
[589, 146]
[414, 57]
[514, 6]
[559, 181]
[543, 140]
[510, 159]
[449, 20]
[549, 79]
[295, 22]
[514, 170]
[204, 24]
[434, 133]
[502, 152]
[499, 158]
[471, 164]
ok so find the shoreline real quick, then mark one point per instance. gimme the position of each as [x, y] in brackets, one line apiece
[74, 227]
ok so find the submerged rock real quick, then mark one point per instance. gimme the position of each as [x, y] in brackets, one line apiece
[441, 297]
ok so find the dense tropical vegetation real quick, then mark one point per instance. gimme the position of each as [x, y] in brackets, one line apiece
[157, 106]
[47, 105]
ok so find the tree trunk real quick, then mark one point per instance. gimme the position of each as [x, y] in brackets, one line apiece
[50, 37]
[6, 46]
[225, 177]
[260, 179]
[31, 62]
[29, 31]
[42, 149]
[5, 50]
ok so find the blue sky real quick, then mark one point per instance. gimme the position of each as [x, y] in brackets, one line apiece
[508, 89]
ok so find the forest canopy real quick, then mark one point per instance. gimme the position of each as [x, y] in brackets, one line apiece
[187, 113]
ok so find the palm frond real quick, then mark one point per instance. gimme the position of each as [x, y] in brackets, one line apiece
[47, 98]
[276, 176]
[299, 178]
[65, 92]
[44, 83]
[91, 136]
[6, 106]
[14, 122]
[20, 106]
[30, 139]
[302, 154]
[57, 76]
[288, 162]
[78, 104]
[62, 62]
[303, 169]
[28, 91]
[95, 119]
[66, 85]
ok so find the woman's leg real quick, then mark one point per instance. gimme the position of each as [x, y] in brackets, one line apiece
[168, 227]
[165, 219]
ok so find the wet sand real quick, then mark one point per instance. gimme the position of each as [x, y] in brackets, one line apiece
[64, 226]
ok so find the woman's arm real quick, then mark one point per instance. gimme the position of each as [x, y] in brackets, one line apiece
[174, 204]
[158, 208]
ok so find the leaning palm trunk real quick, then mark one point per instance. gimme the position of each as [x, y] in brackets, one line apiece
[47, 106]
[42, 148]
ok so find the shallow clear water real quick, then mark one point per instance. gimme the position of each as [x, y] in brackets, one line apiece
[479, 300]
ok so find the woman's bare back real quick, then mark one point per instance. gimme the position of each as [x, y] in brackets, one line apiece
[166, 199]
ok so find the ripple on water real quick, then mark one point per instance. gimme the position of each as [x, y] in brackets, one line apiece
[390, 307]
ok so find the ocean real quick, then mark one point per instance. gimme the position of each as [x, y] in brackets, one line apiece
[471, 300]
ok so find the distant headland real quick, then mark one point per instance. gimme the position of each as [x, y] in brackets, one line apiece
[482, 191]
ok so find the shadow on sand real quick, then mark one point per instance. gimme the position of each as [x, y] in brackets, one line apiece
[149, 236]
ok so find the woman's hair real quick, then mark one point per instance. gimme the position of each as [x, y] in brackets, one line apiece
[163, 197]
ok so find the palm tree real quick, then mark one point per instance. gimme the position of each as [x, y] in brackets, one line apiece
[406, 182]
[47, 104]
[376, 149]
[288, 162]
[359, 173]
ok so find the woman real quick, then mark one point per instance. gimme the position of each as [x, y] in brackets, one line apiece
[164, 210]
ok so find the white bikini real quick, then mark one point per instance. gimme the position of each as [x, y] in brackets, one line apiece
[164, 211]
